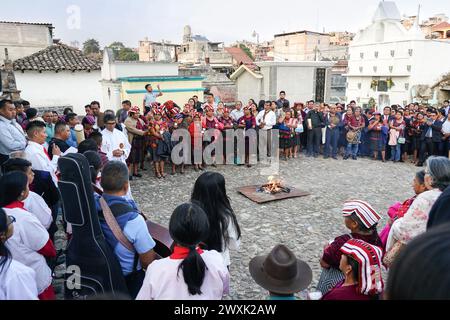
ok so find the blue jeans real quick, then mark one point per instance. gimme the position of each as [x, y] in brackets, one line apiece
[352, 150]
[396, 152]
[331, 142]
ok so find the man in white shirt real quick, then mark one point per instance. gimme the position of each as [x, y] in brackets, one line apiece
[115, 144]
[11, 138]
[36, 152]
[237, 113]
[150, 96]
[210, 101]
[265, 120]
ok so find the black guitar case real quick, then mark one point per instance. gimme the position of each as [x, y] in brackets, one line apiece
[92, 267]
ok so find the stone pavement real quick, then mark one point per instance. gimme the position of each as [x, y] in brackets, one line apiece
[303, 224]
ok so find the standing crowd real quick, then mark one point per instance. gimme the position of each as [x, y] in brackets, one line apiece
[204, 230]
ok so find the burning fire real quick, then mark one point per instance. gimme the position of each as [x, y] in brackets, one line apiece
[274, 186]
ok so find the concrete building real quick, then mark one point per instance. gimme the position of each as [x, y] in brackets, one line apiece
[150, 51]
[23, 39]
[309, 46]
[434, 27]
[389, 63]
[58, 76]
[198, 50]
[126, 80]
[302, 81]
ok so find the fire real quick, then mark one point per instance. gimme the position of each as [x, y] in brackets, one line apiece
[274, 186]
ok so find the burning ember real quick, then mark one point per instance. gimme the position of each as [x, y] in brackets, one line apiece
[274, 186]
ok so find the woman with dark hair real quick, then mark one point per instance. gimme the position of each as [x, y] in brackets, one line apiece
[34, 203]
[261, 104]
[361, 265]
[414, 222]
[361, 219]
[17, 281]
[421, 270]
[30, 244]
[224, 231]
[137, 130]
[88, 123]
[190, 273]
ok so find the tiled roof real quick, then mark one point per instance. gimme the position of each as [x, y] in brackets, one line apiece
[30, 23]
[57, 57]
[441, 26]
[239, 55]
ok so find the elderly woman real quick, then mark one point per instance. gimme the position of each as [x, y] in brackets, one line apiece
[414, 222]
[136, 131]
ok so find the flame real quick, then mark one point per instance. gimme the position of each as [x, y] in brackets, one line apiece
[275, 185]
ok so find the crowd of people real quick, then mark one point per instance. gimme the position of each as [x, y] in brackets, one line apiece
[116, 145]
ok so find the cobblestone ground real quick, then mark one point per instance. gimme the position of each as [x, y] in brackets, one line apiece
[303, 224]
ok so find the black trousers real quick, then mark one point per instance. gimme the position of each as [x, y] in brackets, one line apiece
[426, 149]
[314, 141]
[3, 159]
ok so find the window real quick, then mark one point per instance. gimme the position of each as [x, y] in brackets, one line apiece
[361, 55]
[359, 85]
[391, 68]
[382, 86]
[406, 86]
[392, 53]
[361, 69]
[408, 68]
[375, 68]
[376, 54]
[318, 41]
[286, 43]
[410, 52]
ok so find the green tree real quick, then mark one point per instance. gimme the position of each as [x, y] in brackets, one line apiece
[247, 51]
[127, 54]
[91, 46]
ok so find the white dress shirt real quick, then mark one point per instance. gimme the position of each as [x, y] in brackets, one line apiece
[164, 281]
[17, 282]
[28, 238]
[114, 141]
[36, 205]
[40, 161]
[11, 138]
[270, 119]
[236, 115]
[234, 244]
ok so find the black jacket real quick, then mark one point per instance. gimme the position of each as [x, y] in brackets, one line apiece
[63, 146]
[317, 119]
[437, 131]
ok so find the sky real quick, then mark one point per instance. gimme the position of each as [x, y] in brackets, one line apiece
[219, 20]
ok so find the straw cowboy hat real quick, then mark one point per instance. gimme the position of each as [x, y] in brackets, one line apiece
[281, 271]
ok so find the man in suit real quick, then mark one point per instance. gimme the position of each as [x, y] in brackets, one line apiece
[430, 138]
[315, 122]
[99, 116]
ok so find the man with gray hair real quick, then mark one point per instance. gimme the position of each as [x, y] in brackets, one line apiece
[115, 184]
[11, 139]
[62, 135]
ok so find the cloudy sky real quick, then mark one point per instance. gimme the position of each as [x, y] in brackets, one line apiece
[220, 20]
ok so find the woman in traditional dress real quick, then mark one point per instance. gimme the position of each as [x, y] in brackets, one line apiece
[360, 263]
[414, 222]
[196, 131]
[136, 131]
[158, 127]
[209, 121]
[88, 123]
[247, 122]
[377, 145]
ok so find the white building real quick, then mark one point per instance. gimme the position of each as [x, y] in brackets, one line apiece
[388, 62]
[23, 39]
[58, 76]
[302, 81]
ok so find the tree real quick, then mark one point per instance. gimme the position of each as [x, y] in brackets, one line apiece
[127, 54]
[91, 46]
[247, 51]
